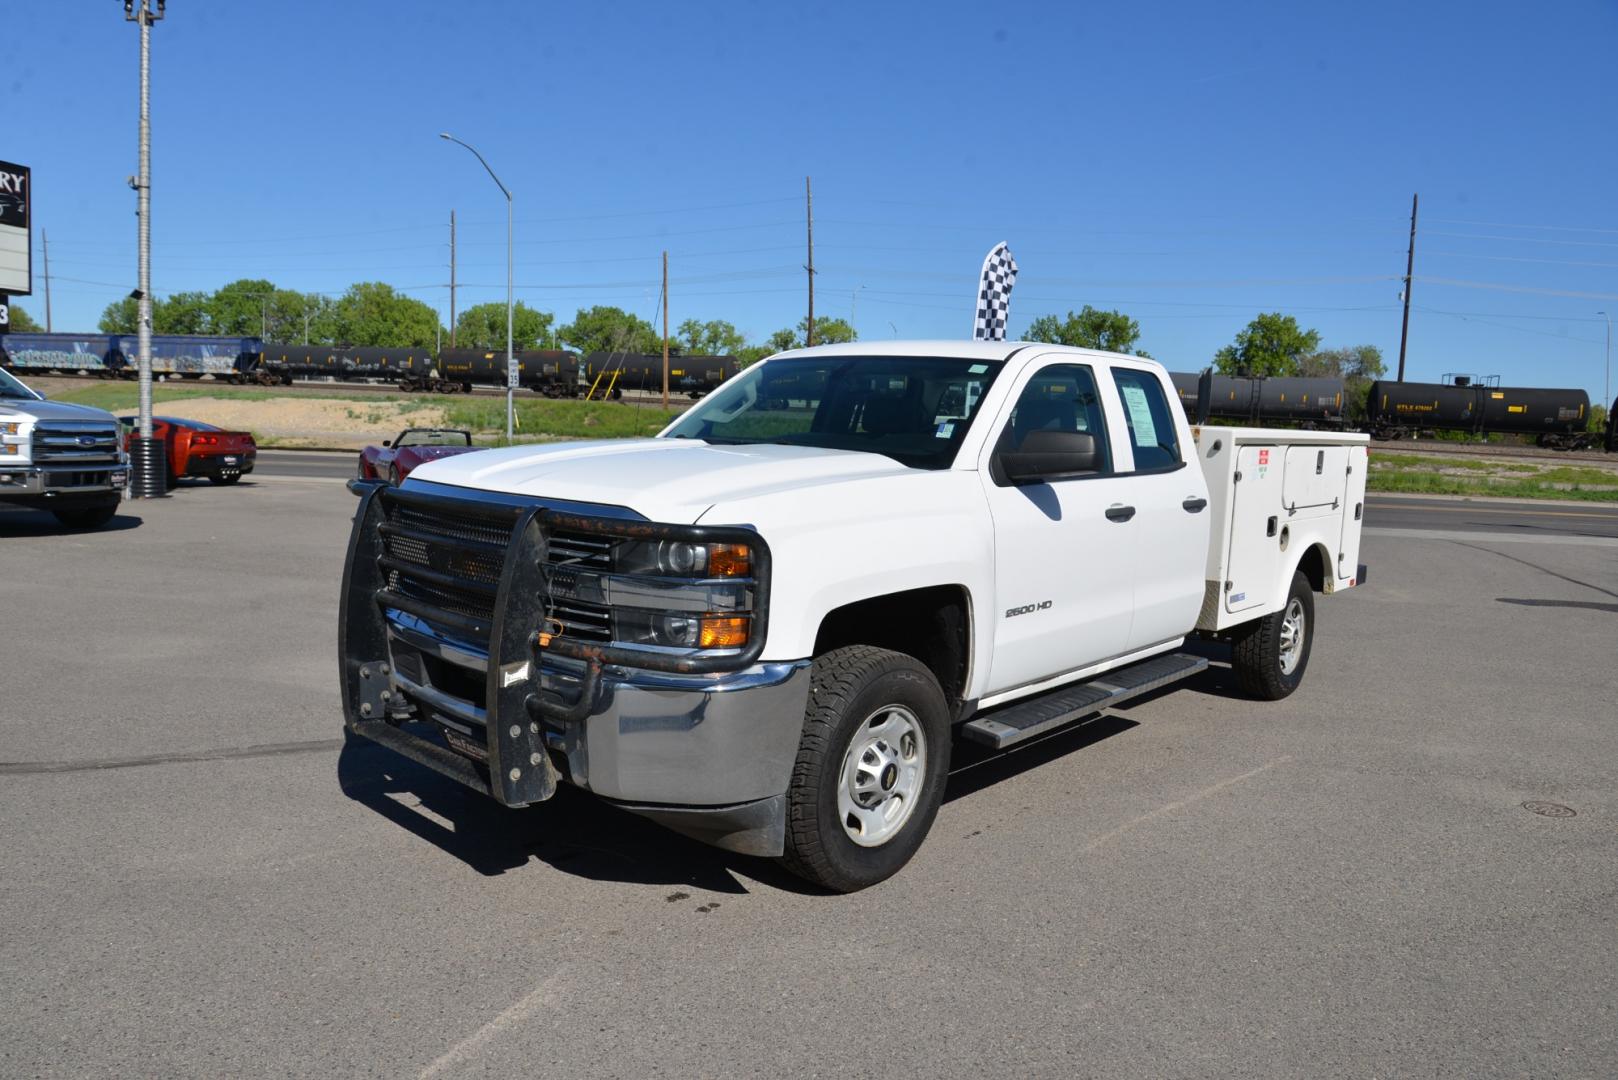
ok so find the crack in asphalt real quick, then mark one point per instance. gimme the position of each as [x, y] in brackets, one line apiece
[26, 768]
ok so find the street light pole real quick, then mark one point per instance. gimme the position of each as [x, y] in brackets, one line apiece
[511, 364]
[1606, 384]
[148, 471]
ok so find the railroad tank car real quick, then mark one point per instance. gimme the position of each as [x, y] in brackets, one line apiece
[693, 376]
[1557, 417]
[1295, 400]
[550, 372]
[1612, 427]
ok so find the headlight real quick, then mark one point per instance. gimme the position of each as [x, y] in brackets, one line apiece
[679, 630]
[677, 558]
[10, 449]
[11, 427]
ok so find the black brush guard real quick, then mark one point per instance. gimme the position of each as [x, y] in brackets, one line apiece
[519, 770]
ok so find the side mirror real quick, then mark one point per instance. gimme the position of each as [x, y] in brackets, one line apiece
[1046, 454]
[387, 442]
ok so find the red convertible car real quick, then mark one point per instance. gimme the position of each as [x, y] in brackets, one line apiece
[197, 449]
[393, 460]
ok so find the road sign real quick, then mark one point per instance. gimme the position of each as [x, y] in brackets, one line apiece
[16, 231]
[511, 374]
[5, 314]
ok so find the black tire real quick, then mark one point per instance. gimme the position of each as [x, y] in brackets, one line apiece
[1257, 656]
[87, 517]
[849, 688]
[224, 478]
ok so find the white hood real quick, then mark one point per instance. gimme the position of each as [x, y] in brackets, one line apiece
[668, 480]
[16, 408]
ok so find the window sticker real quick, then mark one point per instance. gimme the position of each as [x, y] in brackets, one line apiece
[945, 430]
[1140, 414]
[977, 369]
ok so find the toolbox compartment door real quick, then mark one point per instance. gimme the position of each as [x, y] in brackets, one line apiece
[1314, 480]
[1348, 548]
[1255, 522]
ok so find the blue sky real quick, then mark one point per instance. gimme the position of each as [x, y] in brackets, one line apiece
[1191, 164]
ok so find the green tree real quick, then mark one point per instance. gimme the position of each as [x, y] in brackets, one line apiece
[241, 308]
[782, 340]
[610, 329]
[372, 313]
[827, 331]
[22, 322]
[1272, 344]
[752, 354]
[119, 317]
[483, 326]
[182, 313]
[1109, 331]
[713, 338]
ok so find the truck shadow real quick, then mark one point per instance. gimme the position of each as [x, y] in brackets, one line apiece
[19, 522]
[573, 831]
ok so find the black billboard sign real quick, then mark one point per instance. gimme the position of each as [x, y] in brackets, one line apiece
[16, 231]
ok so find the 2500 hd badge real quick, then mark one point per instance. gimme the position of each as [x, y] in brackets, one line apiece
[1027, 608]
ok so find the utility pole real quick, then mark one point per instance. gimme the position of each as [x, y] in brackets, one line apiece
[148, 470]
[809, 203]
[452, 279]
[1410, 265]
[1606, 386]
[45, 242]
[665, 331]
[511, 362]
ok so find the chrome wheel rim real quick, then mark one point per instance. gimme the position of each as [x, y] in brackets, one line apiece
[1292, 631]
[882, 775]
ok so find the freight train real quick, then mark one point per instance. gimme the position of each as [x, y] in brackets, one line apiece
[548, 372]
[1555, 418]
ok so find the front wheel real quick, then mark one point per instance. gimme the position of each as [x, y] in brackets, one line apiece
[871, 767]
[1271, 653]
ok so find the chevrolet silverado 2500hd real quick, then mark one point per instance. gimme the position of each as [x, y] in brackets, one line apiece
[765, 626]
[67, 459]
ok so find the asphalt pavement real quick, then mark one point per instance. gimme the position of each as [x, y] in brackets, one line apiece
[1408, 867]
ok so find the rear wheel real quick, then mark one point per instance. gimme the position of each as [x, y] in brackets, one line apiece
[1271, 653]
[88, 517]
[871, 768]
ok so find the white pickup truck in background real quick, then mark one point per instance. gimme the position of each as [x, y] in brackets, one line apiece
[766, 626]
[67, 459]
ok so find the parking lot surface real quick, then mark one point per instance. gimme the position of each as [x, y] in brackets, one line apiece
[1408, 867]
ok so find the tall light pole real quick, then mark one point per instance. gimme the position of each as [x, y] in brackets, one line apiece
[148, 472]
[511, 363]
[1606, 385]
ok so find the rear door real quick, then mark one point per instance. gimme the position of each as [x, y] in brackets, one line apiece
[1169, 543]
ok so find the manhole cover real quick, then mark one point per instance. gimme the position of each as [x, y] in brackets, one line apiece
[1548, 809]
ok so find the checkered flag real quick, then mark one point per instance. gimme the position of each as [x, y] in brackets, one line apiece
[994, 294]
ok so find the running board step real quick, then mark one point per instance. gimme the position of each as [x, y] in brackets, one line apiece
[1023, 720]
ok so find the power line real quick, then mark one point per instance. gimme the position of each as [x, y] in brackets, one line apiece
[1527, 239]
[1510, 225]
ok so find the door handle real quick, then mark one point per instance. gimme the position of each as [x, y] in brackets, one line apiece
[1194, 504]
[1120, 513]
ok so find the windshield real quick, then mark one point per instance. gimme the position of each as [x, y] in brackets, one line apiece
[914, 409]
[11, 388]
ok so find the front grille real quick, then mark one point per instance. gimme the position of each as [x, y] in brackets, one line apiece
[75, 441]
[460, 556]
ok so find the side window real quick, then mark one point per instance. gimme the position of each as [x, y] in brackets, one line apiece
[1061, 397]
[1151, 425]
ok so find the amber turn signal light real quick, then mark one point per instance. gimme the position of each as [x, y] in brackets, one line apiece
[728, 560]
[726, 632]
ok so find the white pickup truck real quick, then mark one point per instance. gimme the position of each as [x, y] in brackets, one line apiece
[68, 459]
[765, 627]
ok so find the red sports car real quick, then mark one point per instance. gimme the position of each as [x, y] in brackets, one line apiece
[393, 460]
[197, 449]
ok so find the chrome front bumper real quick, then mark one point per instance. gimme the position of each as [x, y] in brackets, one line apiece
[62, 480]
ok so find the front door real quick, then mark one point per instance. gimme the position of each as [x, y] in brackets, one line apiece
[1064, 585]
